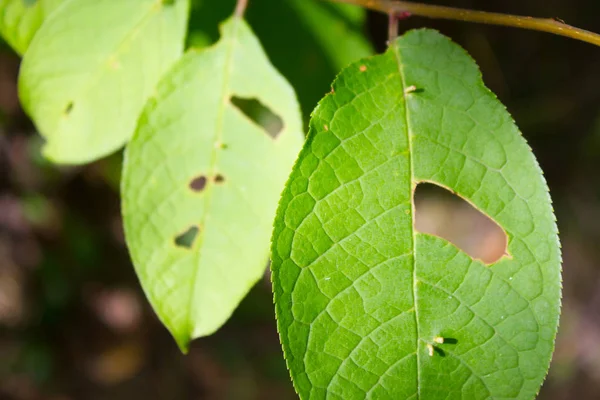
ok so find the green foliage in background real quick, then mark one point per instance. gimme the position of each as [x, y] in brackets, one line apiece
[361, 296]
[367, 306]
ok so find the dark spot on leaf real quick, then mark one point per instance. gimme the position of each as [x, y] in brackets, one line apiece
[442, 213]
[224, 146]
[198, 184]
[187, 238]
[69, 108]
[168, 2]
[260, 115]
[29, 3]
[219, 178]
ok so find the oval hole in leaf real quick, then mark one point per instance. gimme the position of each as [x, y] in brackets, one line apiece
[442, 213]
[187, 238]
[260, 115]
[219, 178]
[198, 184]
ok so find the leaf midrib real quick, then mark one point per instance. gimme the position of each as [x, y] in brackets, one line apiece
[231, 43]
[413, 183]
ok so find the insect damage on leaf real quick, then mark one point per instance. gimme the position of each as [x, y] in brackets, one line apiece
[219, 178]
[440, 212]
[260, 115]
[195, 127]
[198, 184]
[186, 239]
[362, 298]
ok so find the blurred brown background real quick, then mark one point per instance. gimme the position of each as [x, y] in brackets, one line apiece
[74, 323]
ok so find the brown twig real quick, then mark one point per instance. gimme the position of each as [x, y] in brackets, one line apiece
[393, 27]
[550, 25]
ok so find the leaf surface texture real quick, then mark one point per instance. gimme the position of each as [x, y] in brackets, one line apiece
[201, 182]
[363, 300]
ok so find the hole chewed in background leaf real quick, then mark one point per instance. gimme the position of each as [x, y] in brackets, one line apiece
[260, 115]
[187, 238]
[444, 214]
[198, 184]
[219, 178]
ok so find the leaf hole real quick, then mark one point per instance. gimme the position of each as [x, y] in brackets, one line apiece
[219, 178]
[187, 238]
[442, 213]
[261, 115]
[198, 184]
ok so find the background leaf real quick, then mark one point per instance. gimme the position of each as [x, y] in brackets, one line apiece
[361, 297]
[201, 181]
[20, 20]
[309, 41]
[85, 91]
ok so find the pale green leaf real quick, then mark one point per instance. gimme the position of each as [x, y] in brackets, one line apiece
[360, 295]
[20, 20]
[201, 182]
[92, 66]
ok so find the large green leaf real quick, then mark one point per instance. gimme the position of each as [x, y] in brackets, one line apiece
[309, 41]
[198, 170]
[20, 20]
[90, 69]
[361, 297]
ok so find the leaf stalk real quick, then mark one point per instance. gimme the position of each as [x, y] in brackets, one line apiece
[550, 25]
[240, 8]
